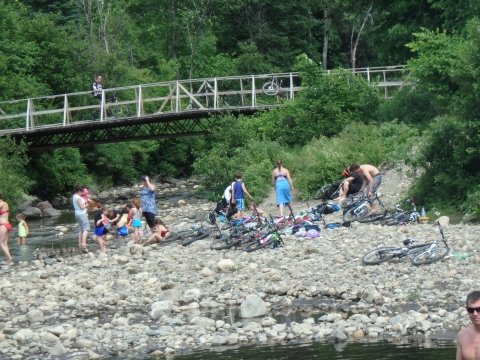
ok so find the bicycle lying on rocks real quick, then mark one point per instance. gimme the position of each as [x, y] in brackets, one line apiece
[425, 253]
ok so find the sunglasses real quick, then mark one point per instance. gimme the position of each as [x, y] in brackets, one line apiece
[471, 310]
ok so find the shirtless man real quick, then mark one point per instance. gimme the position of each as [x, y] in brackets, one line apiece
[468, 339]
[372, 179]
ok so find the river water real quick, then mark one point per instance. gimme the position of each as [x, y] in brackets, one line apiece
[43, 235]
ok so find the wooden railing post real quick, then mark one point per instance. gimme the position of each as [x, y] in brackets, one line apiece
[102, 105]
[177, 97]
[140, 102]
[65, 110]
[215, 92]
[253, 90]
[291, 86]
[368, 74]
[27, 123]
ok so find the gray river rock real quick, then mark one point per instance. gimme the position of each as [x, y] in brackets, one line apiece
[93, 304]
[165, 299]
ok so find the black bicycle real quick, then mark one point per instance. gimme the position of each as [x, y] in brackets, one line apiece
[229, 98]
[426, 253]
[328, 192]
[112, 108]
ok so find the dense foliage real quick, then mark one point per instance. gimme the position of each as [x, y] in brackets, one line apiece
[54, 47]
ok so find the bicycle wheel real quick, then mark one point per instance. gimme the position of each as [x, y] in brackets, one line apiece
[223, 243]
[191, 239]
[396, 219]
[119, 111]
[170, 238]
[260, 244]
[431, 255]
[371, 218]
[270, 88]
[227, 225]
[381, 255]
[183, 233]
[355, 213]
[231, 99]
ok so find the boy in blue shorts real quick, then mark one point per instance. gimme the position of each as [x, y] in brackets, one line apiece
[238, 191]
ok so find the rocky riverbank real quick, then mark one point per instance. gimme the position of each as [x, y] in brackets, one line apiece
[159, 300]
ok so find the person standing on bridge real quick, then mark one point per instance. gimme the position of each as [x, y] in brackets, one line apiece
[149, 208]
[97, 87]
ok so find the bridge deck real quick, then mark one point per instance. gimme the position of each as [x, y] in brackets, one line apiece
[167, 109]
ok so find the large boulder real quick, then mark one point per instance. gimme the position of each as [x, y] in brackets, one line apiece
[31, 212]
[253, 306]
[51, 212]
[42, 206]
[160, 308]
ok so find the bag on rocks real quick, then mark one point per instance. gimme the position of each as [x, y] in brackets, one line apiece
[312, 234]
[330, 208]
[312, 227]
[301, 233]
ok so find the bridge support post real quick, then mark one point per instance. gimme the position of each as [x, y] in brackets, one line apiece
[253, 91]
[27, 124]
[102, 106]
[291, 86]
[177, 96]
[140, 102]
[215, 92]
[66, 112]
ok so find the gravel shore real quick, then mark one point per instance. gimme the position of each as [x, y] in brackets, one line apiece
[160, 300]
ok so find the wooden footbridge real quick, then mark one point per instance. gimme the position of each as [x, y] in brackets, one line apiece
[152, 111]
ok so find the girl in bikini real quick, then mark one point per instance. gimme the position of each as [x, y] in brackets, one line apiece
[5, 228]
[160, 232]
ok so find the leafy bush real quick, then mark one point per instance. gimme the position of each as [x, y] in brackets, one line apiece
[449, 161]
[13, 161]
[409, 107]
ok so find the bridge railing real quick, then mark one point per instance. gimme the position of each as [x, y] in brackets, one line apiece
[163, 97]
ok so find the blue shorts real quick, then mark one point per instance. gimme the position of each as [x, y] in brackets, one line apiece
[239, 203]
[123, 231]
[99, 230]
[136, 223]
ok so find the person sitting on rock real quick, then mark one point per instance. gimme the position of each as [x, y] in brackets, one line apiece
[255, 210]
[160, 232]
[351, 185]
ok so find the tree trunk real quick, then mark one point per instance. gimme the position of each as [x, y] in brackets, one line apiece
[326, 30]
[354, 45]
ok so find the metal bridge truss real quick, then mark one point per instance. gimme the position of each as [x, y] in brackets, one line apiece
[159, 110]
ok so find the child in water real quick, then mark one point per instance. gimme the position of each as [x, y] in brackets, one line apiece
[22, 230]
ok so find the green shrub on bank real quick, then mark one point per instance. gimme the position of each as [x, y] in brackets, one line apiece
[15, 183]
[320, 161]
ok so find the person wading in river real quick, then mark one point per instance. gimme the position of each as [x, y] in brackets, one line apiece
[5, 228]
[468, 339]
[80, 207]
